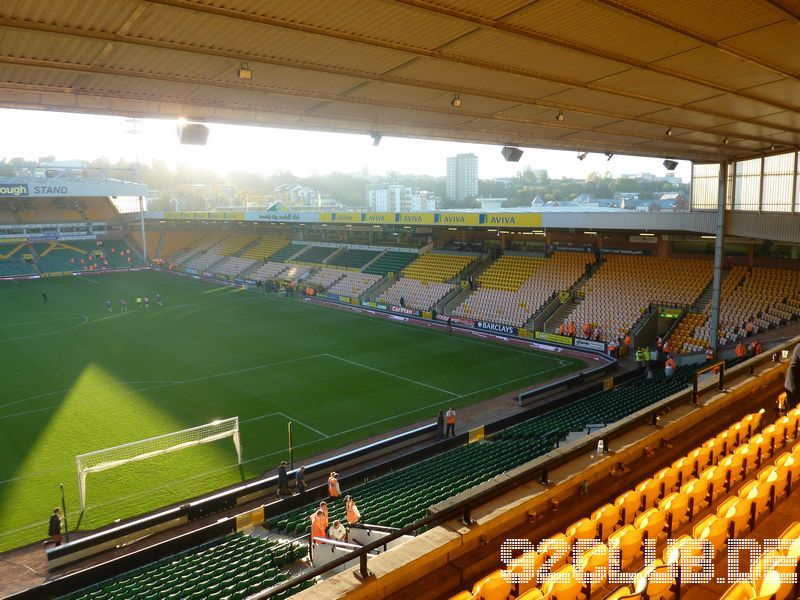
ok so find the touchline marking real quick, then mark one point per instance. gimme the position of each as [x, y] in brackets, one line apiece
[414, 381]
[28, 337]
[317, 431]
[87, 279]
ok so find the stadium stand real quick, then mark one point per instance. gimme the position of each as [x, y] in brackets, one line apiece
[390, 262]
[153, 239]
[224, 247]
[97, 209]
[766, 298]
[286, 252]
[402, 497]
[49, 210]
[8, 211]
[267, 271]
[353, 258]
[235, 566]
[315, 254]
[325, 278]
[414, 294]
[625, 287]
[439, 268]
[12, 262]
[294, 271]
[234, 265]
[117, 253]
[513, 288]
[174, 241]
[61, 256]
[198, 246]
[666, 506]
[266, 246]
[354, 284]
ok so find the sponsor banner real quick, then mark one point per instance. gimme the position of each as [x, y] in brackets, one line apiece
[251, 282]
[553, 337]
[590, 344]
[464, 219]
[190, 271]
[560, 248]
[402, 310]
[510, 219]
[524, 333]
[345, 299]
[238, 280]
[458, 320]
[426, 314]
[13, 190]
[670, 313]
[377, 305]
[631, 251]
[205, 215]
[416, 218]
[496, 327]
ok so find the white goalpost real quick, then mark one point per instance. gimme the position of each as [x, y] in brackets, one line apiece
[108, 458]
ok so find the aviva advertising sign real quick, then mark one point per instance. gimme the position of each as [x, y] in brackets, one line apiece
[450, 219]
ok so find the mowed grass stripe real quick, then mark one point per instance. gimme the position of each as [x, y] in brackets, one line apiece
[211, 352]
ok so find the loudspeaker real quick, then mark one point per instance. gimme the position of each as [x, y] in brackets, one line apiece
[512, 154]
[193, 134]
[670, 165]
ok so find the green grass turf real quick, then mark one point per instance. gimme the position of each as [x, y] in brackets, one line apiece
[78, 379]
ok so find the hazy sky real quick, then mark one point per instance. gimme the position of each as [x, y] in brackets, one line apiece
[33, 134]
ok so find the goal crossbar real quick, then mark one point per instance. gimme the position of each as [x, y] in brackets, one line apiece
[108, 458]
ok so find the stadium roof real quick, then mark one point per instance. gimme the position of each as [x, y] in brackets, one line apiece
[679, 78]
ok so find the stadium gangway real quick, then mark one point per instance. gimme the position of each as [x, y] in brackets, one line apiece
[461, 506]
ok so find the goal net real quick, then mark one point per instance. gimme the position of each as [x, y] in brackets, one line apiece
[108, 458]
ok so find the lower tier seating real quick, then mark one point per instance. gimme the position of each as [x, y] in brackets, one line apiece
[354, 284]
[415, 294]
[391, 262]
[233, 567]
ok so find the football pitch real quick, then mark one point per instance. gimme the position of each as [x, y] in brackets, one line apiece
[77, 378]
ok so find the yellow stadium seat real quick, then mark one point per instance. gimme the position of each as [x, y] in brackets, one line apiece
[733, 464]
[651, 523]
[645, 585]
[685, 468]
[704, 455]
[629, 540]
[757, 493]
[713, 529]
[594, 563]
[585, 529]
[775, 476]
[737, 511]
[676, 506]
[697, 490]
[715, 476]
[607, 518]
[629, 503]
[568, 589]
[556, 547]
[532, 594]
[525, 568]
[742, 590]
[462, 596]
[650, 490]
[492, 587]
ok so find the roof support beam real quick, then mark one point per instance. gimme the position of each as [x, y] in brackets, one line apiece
[112, 38]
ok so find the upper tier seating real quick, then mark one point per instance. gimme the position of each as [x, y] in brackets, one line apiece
[352, 258]
[400, 498]
[97, 209]
[325, 278]
[432, 267]
[421, 296]
[8, 210]
[764, 297]
[266, 246]
[354, 284]
[391, 262]
[625, 287]
[235, 566]
[287, 252]
[536, 280]
[315, 254]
